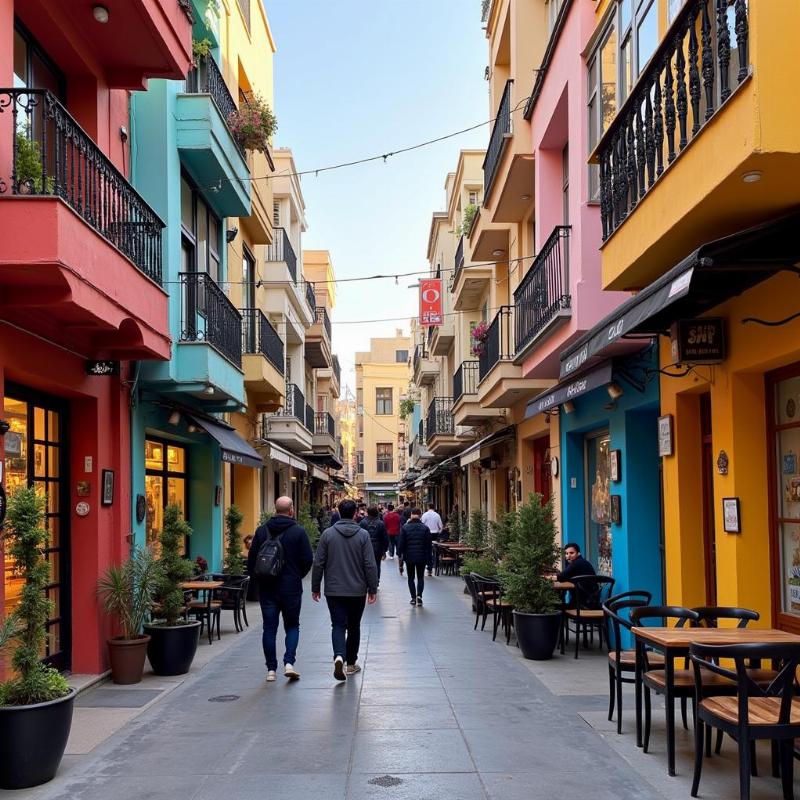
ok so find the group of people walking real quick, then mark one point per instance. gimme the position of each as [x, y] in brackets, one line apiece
[348, 560]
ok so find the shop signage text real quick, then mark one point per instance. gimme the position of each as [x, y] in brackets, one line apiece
[699, 341]
[102, 367]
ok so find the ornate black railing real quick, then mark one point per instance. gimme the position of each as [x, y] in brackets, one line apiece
[458, 264]
[295, 403]
[208, 316]
[499, 344]
[544, 291]
[440, 417]
[205, 78]
[465, 381]
[502, 126]
[52, 155]
[421, 432]
[323, 423]
[321, 315]
[337, 370]
[258, 336]
[687, 80]
[281, 250]
[309, 421]
[310, 296]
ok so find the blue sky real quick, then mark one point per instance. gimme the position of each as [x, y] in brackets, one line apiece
[357, 78]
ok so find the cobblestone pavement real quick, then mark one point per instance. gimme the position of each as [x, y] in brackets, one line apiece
[439, 711]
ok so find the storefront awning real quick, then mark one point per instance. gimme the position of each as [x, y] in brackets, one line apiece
[235, 450]
[473, 452]
[285, 457]
[319, 474]
[569, 389]
[712, 274]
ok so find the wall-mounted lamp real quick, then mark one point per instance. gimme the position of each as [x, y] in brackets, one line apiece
[100, 13]
[569, 407]
[209, 390]
[230, 234]
[498, 253]
[193, 429]
[174, 417]
[615, 391]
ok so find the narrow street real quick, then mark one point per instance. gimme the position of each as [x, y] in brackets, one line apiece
[438, 711]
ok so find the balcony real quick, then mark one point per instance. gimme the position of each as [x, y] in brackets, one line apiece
[318, 340]
[329, 380]
[324, 439]
[206, 146]
[440, 429]
[83, 265]
[291, 426]
[468, 283]
[424, 369]
[501, 132]
[466, 408]
[542, 301]
[310, 297]
[674, 161]
[263, 361]
[281, 250]
[500, 381]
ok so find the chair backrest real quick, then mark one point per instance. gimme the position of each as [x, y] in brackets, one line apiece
[707, 656]
[710, 614]
[591, 591]
[633, 594]
[469, 580]
[679, 613]
[614, 609]
[487, 586]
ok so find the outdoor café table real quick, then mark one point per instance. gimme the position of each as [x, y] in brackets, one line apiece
[199, 586]
[562, 587]
[674, 643]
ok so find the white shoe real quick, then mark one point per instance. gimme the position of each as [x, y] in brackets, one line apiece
[338, 669]
[290, 672]
[353, 668]
[271, 676]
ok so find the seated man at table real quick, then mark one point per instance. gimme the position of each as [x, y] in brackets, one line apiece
[576, 566]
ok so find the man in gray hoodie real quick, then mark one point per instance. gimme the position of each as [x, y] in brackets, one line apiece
[346, 559]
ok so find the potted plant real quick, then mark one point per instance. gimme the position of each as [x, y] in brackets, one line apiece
[532, 551]
[36, 703]
[128, 591]
[200, 566]
[479, 335]
[253, 124]
[233, 565]
[173, 641]
[311, 526]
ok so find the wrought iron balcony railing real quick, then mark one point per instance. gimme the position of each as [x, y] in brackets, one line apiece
[309, 420]
[310, 296]
[499, 344]
[544, 291]
[421, 432]
[207, 315]
[502, 126]
[440, 417]
[205, 78]
[458, 264]
[52, 155]
[258, 336]
[465, 381]
[685, 83]
[281, 250]
[295, 403]
[323, 423]
[321, 315]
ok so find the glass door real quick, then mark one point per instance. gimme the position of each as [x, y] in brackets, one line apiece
[164, 485]
[598, 502]
[36, 455]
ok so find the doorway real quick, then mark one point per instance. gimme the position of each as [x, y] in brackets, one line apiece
[542, 476]
[709, 537]
[598, 501]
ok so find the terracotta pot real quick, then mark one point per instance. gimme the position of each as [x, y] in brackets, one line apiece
[127, 659]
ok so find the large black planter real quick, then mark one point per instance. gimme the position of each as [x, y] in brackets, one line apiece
[172, 648]
[537, 634]
[32, 741]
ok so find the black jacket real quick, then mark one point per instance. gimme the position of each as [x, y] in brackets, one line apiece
[587, 589]
[414, 544]
[404, 515]
[377, 533]
[297, 552]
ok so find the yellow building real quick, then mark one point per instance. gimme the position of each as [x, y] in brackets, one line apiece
[693, 186]
[382, 378]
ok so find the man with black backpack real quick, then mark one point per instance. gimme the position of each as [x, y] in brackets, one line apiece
[279, 558]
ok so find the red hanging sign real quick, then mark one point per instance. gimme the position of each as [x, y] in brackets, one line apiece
[430, 302]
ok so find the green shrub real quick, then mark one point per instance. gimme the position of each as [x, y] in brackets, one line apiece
[174, 568]
[501, 533]
[29, 166]
[305, 520]
[485, 566]
[234, 561]
[477, 530]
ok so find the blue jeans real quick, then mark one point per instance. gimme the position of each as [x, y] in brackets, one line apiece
[346, 615]
[272, 606]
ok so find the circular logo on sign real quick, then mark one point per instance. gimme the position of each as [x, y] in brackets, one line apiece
[82, 509]
[791, 408]
[430, 295]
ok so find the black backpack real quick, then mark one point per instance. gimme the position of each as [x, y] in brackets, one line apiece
[271, 558]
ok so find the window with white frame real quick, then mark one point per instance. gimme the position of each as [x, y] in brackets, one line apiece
[385, 458]
[473, 197]
[276, 213]
[383, 401]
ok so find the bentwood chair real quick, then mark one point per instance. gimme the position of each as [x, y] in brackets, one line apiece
[586, 611]
[208, 610]
[753, 711]
[490, 592]
[233, 597]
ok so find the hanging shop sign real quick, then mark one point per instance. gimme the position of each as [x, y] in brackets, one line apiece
[102, 367]
[698, 341]
[430, 302]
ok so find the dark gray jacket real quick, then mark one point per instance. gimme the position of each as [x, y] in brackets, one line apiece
[344, 555]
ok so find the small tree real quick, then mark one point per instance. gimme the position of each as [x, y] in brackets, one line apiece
[174, 568]
[25, 539]
[305, 520]
[501, 532]
[476, 532]
[532, 551]
[234, 562]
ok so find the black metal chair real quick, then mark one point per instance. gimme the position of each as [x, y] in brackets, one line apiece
[753, 711]
[477, 601]
[586, 607]
[208, 611]
[490, 592]
[233, 596]
[621, 661]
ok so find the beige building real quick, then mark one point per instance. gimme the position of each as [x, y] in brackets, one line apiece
[382, 377]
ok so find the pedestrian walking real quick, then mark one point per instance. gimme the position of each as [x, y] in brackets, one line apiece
[406, 514]
[286, 545]
[335, 514]
[346, 560]
[392, 523]
[415, 552]
[432, 519]
[376, 529]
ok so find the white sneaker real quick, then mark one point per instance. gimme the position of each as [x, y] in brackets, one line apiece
[290, 672]
[271, 676]
[338, 669]
[353, 668]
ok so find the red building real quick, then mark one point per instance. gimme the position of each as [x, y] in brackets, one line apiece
[80, 281]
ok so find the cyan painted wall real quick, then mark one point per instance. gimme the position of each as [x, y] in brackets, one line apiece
[636, 546]
[204, 465]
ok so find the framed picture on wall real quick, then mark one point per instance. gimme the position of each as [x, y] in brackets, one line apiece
[665, 435]
[616, 509]
[108, 487]
[615, 465]
[731, 519]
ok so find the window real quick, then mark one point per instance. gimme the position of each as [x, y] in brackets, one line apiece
[360, 461]
[383, 401]
[33, 68]
[164, 484]
[276, 213]
[473, 198]
[401, 356]
[385, 460]
[201, 233]
[553, 9]
[602, 96]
